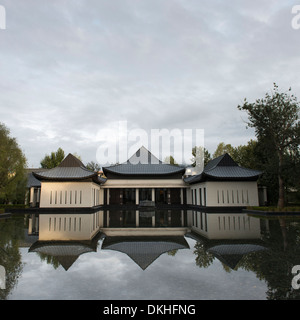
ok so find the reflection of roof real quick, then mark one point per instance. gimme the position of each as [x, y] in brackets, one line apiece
[66, 252]
[70, 168]
[224, 168]
[144, 250]
[143, 162]
[231, 254]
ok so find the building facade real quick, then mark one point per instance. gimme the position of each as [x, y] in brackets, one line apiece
[70, 185]
[143, 178]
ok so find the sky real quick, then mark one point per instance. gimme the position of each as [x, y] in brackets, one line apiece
[70, 69]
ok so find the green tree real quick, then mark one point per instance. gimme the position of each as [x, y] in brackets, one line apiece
[93, 166]
[53, 160]
[224, 148]
[198, 151]
[276, 121]
[170, 160]
[12, 168]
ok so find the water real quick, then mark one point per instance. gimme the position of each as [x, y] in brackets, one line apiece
[148, 255]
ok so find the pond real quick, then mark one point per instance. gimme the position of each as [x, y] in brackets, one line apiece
[148, 255]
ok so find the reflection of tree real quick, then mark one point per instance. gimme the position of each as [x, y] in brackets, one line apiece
[275, 264]
[172, 252]
[283, 242]
[49, 259]
[203, 258]
[11, 231]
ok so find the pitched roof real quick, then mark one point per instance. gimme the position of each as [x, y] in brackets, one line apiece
[224, 168]
[143, 162]
[65, 252]
[70, 168]
[144, 250]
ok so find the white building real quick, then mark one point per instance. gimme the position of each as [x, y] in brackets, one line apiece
[70, 185]
[143, 177]
[223, 183]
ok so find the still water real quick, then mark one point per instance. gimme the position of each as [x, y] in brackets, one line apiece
[142, 255]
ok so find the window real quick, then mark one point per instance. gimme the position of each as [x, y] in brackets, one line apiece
[70, 197]
[200, 195]
[80, 197]
[50, 197]
[218, 196]
[75, 200]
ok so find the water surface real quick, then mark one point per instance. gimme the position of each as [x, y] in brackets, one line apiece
[148, 255]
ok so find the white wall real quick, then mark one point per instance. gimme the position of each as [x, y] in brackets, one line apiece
[227, 193]
[70, 194]
[224, 225]
[69, 226]
[144, 183]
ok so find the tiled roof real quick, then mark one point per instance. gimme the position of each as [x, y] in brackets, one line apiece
[143, 162]
[224, 168]
[70, 168]
[144, 250]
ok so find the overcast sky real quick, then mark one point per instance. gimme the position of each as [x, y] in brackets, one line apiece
[71, 68]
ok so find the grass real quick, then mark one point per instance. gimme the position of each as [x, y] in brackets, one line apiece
[276, 209]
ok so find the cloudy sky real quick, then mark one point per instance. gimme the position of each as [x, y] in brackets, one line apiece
[70, 68]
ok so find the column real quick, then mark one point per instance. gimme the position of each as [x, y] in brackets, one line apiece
[137, 218]
[137, 201]
[153, 194]
[107, 194]
[181, 195]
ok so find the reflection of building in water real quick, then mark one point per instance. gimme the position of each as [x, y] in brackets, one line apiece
[142, 235]
[64, 252]
[144, 218]
[64, 237]
[144, 250]
[227, 236]
[69, 226]
[224, 225]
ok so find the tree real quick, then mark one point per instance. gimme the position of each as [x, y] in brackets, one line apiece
[170, 160]
[276, 120]
[224, 148]
[93, 166]
[198, 151]
[53, 160]
[12, 168]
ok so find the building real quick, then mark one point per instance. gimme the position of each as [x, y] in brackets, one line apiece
[224, 183]
[144, 179]
[70, 185]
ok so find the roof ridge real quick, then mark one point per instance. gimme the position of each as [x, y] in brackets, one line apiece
[71, 161]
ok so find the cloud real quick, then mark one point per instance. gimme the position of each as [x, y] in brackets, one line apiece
[69, 69]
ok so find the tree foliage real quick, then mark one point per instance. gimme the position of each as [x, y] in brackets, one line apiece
[275, 119]
[53, 160]
[12, 169]
[93, 166]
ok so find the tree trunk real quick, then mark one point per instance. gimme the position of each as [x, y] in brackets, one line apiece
[280, 203]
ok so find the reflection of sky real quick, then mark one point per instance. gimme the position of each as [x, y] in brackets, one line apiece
[113, 275]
